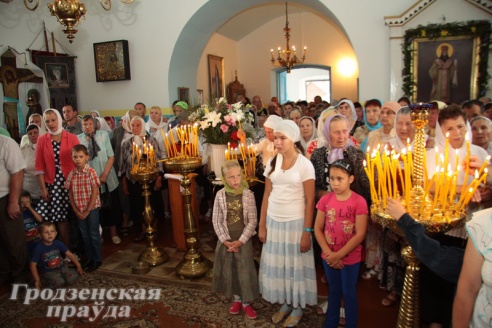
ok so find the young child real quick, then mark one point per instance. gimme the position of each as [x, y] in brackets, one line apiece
[83, 189]
[31, 220]
[234, 220]
[340, 228]
[48, 257]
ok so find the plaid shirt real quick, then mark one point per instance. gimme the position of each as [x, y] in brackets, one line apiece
[81, 184]
[219, 218]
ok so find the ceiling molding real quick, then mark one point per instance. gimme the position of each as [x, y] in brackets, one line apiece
[485, 5]
[414, 10]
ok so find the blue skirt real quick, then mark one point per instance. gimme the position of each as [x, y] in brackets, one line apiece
[287, 275]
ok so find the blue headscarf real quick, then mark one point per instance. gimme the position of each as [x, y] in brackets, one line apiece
[363, 145]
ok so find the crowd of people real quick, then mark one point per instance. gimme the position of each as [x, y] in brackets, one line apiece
[312, 209]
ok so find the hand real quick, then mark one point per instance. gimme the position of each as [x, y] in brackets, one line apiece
[37, 285]
[103, 178]
[80, 270]
[305, 242]
[230, 247]
[485, 193]
[262, 234]
[45, 196]
[395, 208]
[13, 210]
[333, 259]
[476, 198]
[475, 164]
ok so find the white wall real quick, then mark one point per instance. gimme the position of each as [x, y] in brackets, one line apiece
[326, 46]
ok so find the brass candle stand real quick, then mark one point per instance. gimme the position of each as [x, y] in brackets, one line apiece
[194, 264]
[438, 219]
[152, 254]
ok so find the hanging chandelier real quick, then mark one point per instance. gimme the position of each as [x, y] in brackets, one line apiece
[68, 12]
[284, 58]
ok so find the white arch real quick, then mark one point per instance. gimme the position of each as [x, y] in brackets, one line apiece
[208, 19]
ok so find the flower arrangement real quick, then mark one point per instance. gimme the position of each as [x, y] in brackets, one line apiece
[220, 122]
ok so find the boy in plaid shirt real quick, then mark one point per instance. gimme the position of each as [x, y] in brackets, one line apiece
[83, 189]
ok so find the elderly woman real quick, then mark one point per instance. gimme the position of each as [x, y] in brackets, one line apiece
[404, 130]
[385, 133]
[438, 294]
[295, 115]
[30, 182]
[130, 186]
[371, 113]
[53, 163]
[347, 109]
[481, 128]
[308, 132]
[34, 119]
[101, 158]
[338, 145]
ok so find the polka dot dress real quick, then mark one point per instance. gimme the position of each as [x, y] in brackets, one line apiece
[56, 210]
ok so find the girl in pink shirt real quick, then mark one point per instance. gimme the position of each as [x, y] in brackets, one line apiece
[340, 228]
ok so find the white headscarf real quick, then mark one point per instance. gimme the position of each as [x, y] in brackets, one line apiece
[353, 116]
[42, 128]
[125, 122]
[304, 143]
[57, 113]
[138, 138]
[289, 129]
[95, 111]
[272, 121]
[103, 125]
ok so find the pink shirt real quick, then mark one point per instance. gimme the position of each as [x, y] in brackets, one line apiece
[340, 222]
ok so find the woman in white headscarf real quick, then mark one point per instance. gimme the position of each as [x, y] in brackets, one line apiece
[34, 119]
[53, 164]
[347, 109]
[307, 127]
[265, 147]
[130, 186]
[102, 125]
[287, 273]
[155, 123]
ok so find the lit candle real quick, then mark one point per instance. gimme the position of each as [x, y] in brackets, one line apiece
[467, 166]
[484, 165]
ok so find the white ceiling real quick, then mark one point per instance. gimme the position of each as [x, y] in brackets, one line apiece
[249, 20]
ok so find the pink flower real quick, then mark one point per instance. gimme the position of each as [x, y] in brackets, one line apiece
[224, 128]
[230, 120]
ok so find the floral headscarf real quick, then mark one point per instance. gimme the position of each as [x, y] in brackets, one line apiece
[335, 153]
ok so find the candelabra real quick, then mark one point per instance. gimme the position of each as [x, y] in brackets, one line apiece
[438, 214]
[194, 264]
[287, 61]
[152, 254]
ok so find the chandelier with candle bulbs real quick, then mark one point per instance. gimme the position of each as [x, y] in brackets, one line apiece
[68, 12]
[284, 56]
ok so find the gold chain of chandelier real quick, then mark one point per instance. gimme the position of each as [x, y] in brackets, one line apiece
[283, 57]
[69, 12]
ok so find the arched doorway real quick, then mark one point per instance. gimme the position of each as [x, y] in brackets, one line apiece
[208, 19]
